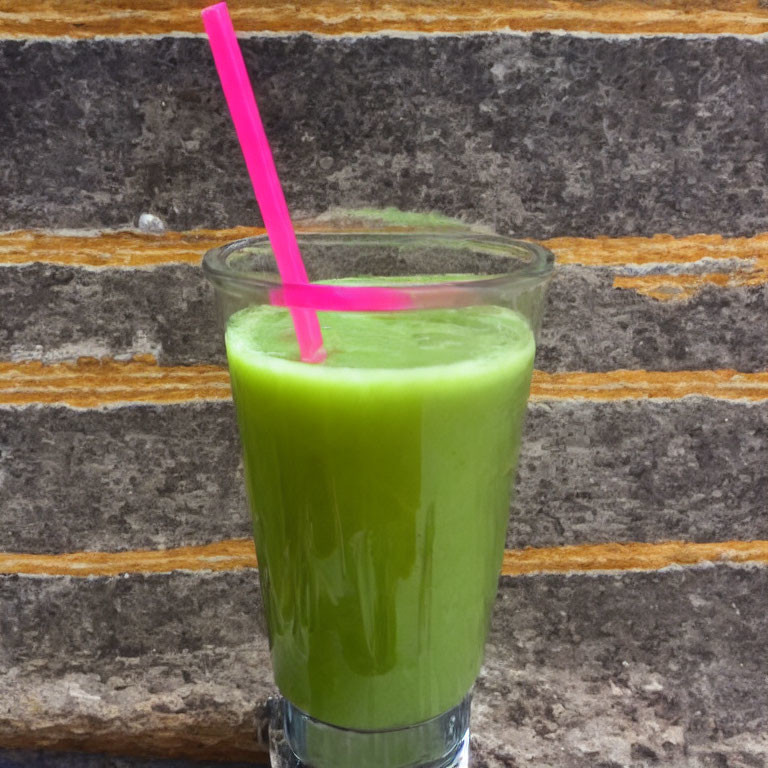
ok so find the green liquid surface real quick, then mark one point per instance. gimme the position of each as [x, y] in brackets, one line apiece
[379, 483]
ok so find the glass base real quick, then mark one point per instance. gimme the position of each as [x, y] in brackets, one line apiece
[297, 740]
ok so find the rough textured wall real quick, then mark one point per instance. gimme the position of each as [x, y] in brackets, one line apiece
[128, 586]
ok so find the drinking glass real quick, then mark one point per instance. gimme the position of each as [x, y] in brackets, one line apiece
[379, 480]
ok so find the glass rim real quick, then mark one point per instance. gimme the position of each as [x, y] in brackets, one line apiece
[537, 268]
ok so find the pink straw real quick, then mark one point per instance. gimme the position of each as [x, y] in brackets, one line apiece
[342, 298]
[261, 168]
[371, 298]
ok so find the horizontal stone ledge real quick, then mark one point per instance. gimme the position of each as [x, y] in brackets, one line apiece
[165, 665]
[238, 554]
[229, 555]
[539, 135]
[579, 669]
[164, 476]
[92, 383]
[132, 249]
[676, 287]
[145, 708]
[333, 17]
[58, 313]
[115, 249]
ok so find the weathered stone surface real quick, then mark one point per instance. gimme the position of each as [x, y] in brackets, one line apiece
[590, 325]
[172, 665]
[58, 313]
[124, 478]
[55, 313]
[623, 669]
[627, 671]
[640, 470]
[540, 134]
[88, 623]
[590, 471]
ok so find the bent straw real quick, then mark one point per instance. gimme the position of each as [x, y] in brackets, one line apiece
[261, 168]
[366, 298]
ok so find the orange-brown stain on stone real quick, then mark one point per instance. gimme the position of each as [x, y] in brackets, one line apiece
[659, 249]
[237, 554]
[81, 18]
[748, 257]
[91, 383]
[114, 249]
[129, 249]
[230, 555]
[631, 556]
[132, 249]
[681, 287]
[631, 384]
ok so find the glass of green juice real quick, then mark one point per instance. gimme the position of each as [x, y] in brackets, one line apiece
[379, 480]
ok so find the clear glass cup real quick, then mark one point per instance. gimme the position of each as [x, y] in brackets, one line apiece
[379, 480]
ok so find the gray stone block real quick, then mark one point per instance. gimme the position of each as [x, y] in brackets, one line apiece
[533, 134]
[147, 477]
[627, 670]
[58, 313]
[642, 470]
[589, 325]
[172, 665]
[91, 624]
[164, 476]
[619, 669]
[55, 313]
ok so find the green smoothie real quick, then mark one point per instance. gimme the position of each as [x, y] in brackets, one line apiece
[379, 483]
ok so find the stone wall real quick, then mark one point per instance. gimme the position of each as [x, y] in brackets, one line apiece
[632, 614]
